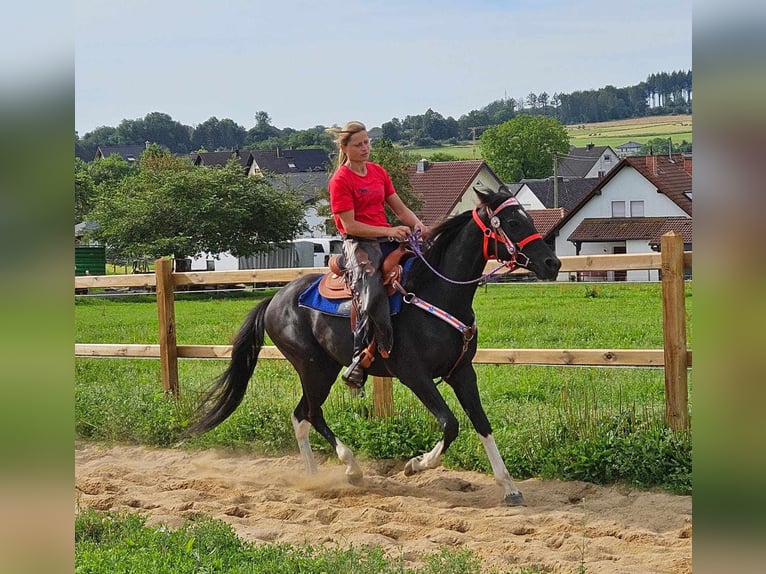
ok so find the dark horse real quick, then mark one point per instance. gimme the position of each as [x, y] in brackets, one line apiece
[427, 346]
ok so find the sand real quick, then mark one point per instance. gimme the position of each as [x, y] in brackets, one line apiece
[564, 526]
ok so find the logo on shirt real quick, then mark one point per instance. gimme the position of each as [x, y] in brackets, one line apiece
[363, 190]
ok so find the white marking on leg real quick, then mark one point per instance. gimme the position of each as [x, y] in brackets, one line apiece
[353, 471]
[502, 476]
[431, 459]
[302, 429]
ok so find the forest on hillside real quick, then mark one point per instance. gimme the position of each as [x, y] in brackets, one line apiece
[663, 93]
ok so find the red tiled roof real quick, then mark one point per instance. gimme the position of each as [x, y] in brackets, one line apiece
[626, 228]
[546, 219]
[669, 177]
[681, 225]
[441, 186]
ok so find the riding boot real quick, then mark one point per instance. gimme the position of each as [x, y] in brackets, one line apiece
[355, 374]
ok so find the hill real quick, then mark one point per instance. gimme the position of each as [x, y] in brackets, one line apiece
[612, 133]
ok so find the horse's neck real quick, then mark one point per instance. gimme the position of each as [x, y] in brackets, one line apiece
[462, 262]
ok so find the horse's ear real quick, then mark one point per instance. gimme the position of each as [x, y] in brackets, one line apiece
[482, 193]
[504, 189]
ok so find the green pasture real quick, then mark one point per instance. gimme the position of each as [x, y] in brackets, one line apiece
[602, 425]
[614, 134]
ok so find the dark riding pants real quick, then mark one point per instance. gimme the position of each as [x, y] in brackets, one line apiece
[364, 258]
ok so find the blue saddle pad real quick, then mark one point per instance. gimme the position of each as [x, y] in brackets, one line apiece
[342, 307]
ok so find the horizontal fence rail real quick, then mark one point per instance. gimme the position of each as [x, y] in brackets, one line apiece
[675, 358]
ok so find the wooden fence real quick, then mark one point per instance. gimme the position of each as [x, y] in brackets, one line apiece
[674, 357]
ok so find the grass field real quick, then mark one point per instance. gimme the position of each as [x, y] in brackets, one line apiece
[614, 133]
[546, 418]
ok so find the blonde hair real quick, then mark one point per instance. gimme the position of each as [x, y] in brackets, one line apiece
[342, 137]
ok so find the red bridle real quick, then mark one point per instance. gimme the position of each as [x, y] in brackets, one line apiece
[496, 232]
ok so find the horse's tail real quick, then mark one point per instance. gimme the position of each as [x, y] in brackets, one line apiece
[229, 389]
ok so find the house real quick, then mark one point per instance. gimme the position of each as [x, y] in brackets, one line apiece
[588, 161]
[447, 187]
[218, 158]
[642, 198]
[129, 153]
[629, 148]
[536, 194]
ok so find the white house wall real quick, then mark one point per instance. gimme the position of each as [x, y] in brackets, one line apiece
[605, 163]
[469, 200]
[528, 199]
[627, 185]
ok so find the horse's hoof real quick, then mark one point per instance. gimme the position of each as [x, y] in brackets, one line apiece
[514, 499]
[409, 468]
[355, 478]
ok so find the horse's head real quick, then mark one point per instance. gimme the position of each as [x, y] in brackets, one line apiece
[510, 234]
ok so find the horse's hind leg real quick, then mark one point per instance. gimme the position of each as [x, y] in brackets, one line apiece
[317, 381]
[302, 428]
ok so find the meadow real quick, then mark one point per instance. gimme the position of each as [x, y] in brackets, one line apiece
[613, 133]
[601, 425]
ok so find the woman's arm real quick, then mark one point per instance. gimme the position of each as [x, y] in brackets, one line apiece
[405, 214]
[359, 229]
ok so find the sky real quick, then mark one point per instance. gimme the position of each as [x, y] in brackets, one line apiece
[312, 62]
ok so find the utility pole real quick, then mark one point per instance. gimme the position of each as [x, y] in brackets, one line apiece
[473, 136]
[555, 180]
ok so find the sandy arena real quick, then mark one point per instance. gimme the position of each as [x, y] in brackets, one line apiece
[271, 500]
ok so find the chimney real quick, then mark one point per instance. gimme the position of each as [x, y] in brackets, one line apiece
[589, 146]
[687, 163]
[421, 166]
[651, 164]
[601, 174]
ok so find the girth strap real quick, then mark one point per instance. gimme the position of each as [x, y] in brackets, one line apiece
[468, 332]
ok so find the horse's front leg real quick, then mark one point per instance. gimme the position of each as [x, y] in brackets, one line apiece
[467, 392]
[428, 394]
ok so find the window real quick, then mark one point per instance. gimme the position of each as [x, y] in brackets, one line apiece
[618, 209]
[636, 208]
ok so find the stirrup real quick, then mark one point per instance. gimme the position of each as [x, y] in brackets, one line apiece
[355, 375]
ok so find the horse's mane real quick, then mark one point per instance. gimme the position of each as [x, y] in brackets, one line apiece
[444, 233]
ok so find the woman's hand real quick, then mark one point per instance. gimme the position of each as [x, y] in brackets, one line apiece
[399, 233]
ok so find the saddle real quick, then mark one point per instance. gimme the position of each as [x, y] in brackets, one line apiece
[333, 284]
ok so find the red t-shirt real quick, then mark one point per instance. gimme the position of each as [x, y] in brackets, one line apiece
[365, 195]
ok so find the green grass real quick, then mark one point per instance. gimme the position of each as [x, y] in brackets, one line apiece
[122, 543]
[594, 424]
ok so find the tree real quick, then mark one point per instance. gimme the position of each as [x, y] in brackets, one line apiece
[524, 146]
[92, 178]
[158, 128]
[170, 207]
[262, 130]
[214, 134]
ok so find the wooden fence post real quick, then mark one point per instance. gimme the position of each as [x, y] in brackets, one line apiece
[674, 332]
[167, 324]
[382, 396]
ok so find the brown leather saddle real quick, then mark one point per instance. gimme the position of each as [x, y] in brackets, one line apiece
[333, 284]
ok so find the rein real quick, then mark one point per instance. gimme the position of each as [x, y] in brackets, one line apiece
[495, 232]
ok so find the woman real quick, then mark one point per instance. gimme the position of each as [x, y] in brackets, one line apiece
[359, 189]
